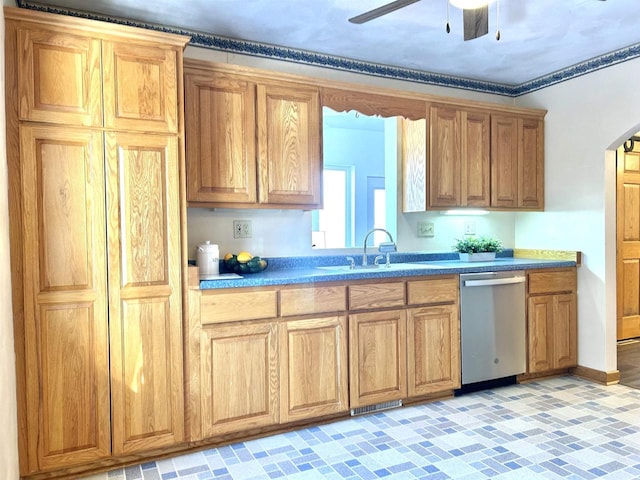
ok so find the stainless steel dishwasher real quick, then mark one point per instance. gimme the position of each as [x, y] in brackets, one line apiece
[492, 326]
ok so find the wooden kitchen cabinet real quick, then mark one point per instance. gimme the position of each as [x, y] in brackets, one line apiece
[313, 367]
[251, 141]
[377, 357]
[517, 162]
[551, 320]
[95, 237]
[239, 377]
[458, 160]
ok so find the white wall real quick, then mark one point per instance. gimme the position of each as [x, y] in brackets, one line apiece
[587, 116]
[8, 407]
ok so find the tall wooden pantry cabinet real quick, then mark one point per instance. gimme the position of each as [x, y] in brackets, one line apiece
[94, 128]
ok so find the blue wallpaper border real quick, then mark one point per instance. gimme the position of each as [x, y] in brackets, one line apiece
[226, 44]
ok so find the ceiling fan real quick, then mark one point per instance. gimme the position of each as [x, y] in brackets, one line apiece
[475, 17]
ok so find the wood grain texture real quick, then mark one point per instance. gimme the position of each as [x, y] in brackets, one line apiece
[59, 76]
[239, 377]
[444, 160]
[65, 315]
[552, 281]
[414, 165]
[377, 357]
[313, 300]
[530, 163]
[313, 368]
[433, 349]
[376, 295]
[504, 161]
[223, 306]
[140, 87]
[475, 173]
[442, 289]
[289, 151]
[145, 291]
[346, 100]
[628, 243]
[221, 143]
[575, 256]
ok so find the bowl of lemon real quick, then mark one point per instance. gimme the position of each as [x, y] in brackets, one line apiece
[244, 262]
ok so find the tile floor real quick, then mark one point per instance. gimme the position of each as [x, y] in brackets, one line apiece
[564, 427]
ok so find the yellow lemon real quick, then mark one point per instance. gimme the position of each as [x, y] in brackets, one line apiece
[228, 256]
[244, 257]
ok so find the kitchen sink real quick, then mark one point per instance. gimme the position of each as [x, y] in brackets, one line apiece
[393, 267]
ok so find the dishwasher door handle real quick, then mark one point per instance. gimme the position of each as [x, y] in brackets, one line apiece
[494, 281]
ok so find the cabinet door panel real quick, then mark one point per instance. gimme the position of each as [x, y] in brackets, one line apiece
[565, 338]
[289, 159]
[475, 155]
[414, 165]
[145, 291]
[433, 335]
[540, 341]
[377, 357]
[239, 377]
[59, 77]
[531, 163]
[313, 366]
[140, 87]
[220, 140]
[444, 157]
[65, 317]
[504, 161]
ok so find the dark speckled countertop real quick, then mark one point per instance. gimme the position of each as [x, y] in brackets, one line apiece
[315, 269]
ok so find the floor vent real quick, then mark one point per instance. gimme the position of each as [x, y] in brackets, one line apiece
[375, 408]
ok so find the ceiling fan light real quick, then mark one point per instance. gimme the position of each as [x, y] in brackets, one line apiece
[469, 4]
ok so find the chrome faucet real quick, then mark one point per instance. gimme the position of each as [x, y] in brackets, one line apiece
[384, 247]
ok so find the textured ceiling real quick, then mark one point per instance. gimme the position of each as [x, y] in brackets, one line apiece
[542, 41]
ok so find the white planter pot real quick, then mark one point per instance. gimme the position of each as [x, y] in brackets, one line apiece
[477, 257]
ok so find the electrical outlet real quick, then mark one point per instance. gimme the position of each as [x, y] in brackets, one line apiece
[242, 229]
[426, 229]
[469, 227]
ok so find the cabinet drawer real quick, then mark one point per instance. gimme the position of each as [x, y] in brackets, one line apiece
[552, 281]
[309, 300]
[437, 290]
[376, 295]
[244, 305]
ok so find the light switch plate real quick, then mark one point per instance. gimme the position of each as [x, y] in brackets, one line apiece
[469, 227]
[426, 229]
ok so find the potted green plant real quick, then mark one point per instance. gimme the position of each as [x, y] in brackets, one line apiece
[477, 249]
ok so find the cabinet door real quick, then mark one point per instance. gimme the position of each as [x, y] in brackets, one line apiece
[433, 349]
[414, 165]
[140, 85]
[444, 157]
[540, 333]
[313, 368]
[239, 377]
[504, 161]
[531, 163]
[565, 339]
[475, 156]
[377, 357]
[220, 139]
[65, 315]
[289, 158]
[144, 291]
[59, 77]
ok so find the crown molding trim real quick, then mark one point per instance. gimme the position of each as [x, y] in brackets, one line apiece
[263, 50]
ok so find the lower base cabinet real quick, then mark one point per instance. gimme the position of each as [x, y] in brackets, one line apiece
[313, 368]
[433, 349]
[377, 357]
[552, 320]
[239, 377]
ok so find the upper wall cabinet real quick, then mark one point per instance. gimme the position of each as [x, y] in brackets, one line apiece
[458, 160]
[72, 77]
[517, 162]
[251, 141]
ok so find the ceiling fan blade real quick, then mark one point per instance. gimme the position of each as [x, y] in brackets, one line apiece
[380, 11]
[476, 22]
